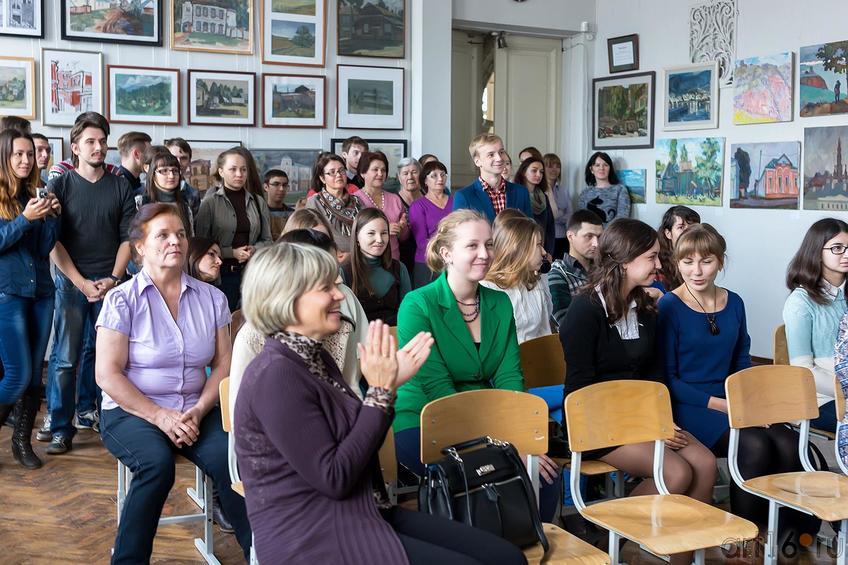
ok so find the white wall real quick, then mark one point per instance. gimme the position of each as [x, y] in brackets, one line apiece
[760, 242]
[534, 15]
[255, 137]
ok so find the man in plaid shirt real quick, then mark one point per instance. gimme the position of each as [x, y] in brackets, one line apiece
[570, 273]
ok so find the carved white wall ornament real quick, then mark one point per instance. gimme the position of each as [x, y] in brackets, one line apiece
[712, 35]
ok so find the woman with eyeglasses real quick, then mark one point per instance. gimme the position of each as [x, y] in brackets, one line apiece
[332, 200]
[164, 179]
[425, 215]
[815, 306]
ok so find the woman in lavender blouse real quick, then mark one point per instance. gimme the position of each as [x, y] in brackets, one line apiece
[425, 214]
[156, 335]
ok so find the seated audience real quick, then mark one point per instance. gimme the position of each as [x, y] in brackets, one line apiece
[156, 335]
[164, 178]
[474, 329]
[276, 186]
[333, 201]
[675, 221]
[490, 194]
[29, 227]
[237, 218]
[529, 152]
[704, 338]
[603, 194]
[814, 308]
[378, 281]
[204, 260]
[409, 176]
[517, 256]
[571, 272]
[609, 333]
[373, 168]
[319, 494]
[425, 215]
[531, 175]
[560, 199]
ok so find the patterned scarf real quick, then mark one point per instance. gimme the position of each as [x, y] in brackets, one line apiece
[309, 350]
[538, 201]
[339, 211]
[841, 369]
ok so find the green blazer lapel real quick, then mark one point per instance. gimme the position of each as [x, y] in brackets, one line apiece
[453, 319]
[490, 321]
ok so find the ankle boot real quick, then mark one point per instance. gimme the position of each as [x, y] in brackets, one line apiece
[22, 436]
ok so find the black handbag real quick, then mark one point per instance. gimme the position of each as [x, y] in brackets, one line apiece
[485, 486]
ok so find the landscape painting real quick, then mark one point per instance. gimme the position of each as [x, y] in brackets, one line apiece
[144, 95]
[372, 28]
[824, 79]
[293, 32]
[293, 100]
[297, 163]
[17, 87]
[762, 89]
[623, 111]
[765, 175]
[204, 160]
[221, 98]
[689, 171]
[22, 18]
[825, 169]
[691, 97]
[113, 21]
[634, 180]
[370, 97]
[71, 84]
[214, 26]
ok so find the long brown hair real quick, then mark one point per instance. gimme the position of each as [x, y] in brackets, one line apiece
[805, 270]
[622, 242]
[253, 182]
[670, 275]
[159, 156]
[514, 249]
[10, 185]
[358, 264]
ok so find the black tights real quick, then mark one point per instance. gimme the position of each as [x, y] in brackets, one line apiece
[765, 451]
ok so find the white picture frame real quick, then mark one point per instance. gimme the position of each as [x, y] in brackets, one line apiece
[690, 97]
[71, 83]
[294, 101]
[369, 97]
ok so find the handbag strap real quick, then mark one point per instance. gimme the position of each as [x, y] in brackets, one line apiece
[512, 455]
[461, 464]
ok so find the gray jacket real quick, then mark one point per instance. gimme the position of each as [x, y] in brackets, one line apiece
[216, 220]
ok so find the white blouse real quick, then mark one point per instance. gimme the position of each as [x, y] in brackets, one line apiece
[532, 309]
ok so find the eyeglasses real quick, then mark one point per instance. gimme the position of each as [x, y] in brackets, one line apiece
[279, 184]
[334, 173]
[168, 171]
[837, 249]
[437, 176]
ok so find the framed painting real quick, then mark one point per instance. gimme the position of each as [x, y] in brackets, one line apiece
[143, 95]
[293, 101]
[369, 97]
[112, 21]
[623, 111]
[221, 98]
[762, 89]
[204, 157]
[372, 28]
[17, 87]
[623, 53]
[823, 85]
[690, 171]
[71, 83]
[825, 177]
[213, 26]
[691, 97]
[395, 150]
[297, 163]
[294, 32]
[765, 175]
[22, 19]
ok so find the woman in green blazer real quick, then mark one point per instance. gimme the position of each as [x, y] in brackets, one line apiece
[474, 330]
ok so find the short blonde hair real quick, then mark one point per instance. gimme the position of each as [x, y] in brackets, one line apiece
[703, 240]
[514, 249]
[276, 277]
[445, 236]
[481, 140]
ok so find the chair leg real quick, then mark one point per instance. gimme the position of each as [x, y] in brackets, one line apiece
[206, 546]
[613, 548]
[841, 547]
[619, 484]
[700, 558]
[197, 494]
[771, 534]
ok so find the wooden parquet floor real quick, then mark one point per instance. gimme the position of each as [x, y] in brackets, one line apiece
[65, 511]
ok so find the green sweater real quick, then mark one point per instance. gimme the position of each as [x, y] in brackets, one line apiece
[455, 364]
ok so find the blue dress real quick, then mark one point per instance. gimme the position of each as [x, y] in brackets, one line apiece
[696, 363]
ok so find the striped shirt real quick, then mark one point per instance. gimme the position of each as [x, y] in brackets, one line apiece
[566, 276]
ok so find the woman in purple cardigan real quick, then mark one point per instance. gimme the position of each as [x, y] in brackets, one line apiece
[425, 215]
[307, 446]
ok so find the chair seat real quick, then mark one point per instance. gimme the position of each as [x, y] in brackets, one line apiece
[565, 548]
[667, 524]
[821, 493]
[589, 468]
[238, 487]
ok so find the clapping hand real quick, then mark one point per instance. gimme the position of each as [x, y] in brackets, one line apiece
[412, 356]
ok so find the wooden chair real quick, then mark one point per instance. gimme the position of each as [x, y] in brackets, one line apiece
[769, 395]
[389, 465]
[518, 418]
[543, 364]
[840, 414]
[616, 413]
[236, 323]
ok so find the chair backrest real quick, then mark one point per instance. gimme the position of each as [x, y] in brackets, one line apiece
[236, 323]
[781, 350]
[515, 417]
[224, 394]
[615, 413]
[840, 399]
[388, 458]
[770, 394]
[542, 361]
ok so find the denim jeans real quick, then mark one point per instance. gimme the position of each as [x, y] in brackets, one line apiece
[149, 455]
[24, 332]
[73, 346]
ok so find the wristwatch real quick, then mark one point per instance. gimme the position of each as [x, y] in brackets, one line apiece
[117, 280]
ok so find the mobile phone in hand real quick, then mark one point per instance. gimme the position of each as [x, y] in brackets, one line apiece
[41, 192]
